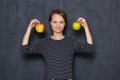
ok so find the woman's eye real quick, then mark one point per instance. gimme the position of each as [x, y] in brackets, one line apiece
[62, 22]
[55, 22]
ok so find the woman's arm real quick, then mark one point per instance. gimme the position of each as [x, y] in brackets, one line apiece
[29, 28]
[85, 47]
[32, 48]
[83, 22]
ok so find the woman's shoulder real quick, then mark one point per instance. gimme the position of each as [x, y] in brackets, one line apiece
[69, 38]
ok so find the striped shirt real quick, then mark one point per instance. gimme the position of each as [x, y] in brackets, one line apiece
[58, 55]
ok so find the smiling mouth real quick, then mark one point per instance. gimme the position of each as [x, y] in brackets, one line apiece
[57, 28]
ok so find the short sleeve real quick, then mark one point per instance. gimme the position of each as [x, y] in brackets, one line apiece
[81, 47]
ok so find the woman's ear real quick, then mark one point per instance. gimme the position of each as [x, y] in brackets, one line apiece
[50, 23]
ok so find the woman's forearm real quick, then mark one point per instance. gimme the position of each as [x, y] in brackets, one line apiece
[84, 24]
[26, 36]
[32, 23]
[88, 35]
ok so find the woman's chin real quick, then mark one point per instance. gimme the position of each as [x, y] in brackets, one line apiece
[58, 31]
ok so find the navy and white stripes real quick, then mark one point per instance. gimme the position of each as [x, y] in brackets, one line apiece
[58, 55]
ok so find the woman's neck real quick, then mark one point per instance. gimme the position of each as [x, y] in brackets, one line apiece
[57, 36]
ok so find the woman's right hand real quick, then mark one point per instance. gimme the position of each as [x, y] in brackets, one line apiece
[32, 23]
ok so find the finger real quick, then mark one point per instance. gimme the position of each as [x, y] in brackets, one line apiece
[36, 21]
[80, 19]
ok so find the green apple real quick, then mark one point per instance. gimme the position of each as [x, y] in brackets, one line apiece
[76, 26]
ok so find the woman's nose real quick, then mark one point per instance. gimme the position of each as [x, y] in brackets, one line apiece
[58, 24]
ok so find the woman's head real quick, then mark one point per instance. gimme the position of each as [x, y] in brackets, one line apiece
[57, 20]
[60, 12]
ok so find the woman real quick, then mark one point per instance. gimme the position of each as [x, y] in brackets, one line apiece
[58, 49]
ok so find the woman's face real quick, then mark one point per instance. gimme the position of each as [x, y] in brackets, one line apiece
[57, 23]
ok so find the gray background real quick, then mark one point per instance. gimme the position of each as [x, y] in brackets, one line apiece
[104, 22]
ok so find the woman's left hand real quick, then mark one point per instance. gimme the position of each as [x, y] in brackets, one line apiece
[83, 22]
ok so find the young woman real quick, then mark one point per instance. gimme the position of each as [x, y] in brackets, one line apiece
[58, 49]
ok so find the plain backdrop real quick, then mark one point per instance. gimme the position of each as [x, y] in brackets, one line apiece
[103, 17]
